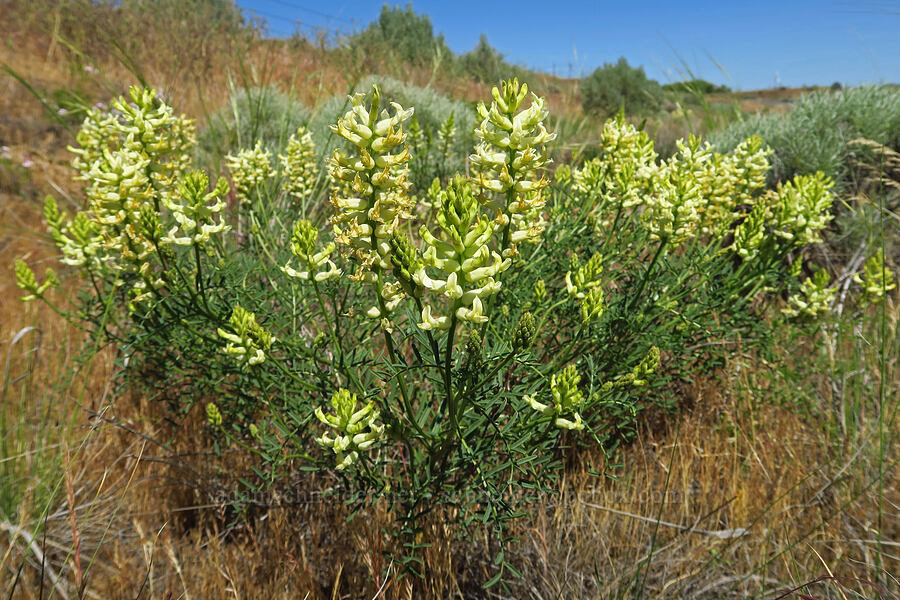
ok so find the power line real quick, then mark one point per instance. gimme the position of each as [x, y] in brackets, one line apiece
[310, 10]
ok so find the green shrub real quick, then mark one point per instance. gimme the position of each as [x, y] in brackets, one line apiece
[401, 35]
[613, 87]
[815, 135]
[485, 64]
[436, 359]
[696, 86]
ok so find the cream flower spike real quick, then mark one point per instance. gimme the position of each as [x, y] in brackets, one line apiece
[508, 159]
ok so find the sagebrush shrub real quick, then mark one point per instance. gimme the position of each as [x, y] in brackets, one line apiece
[816, 134]
[256, 114]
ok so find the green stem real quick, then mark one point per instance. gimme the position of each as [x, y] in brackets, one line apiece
[636, 298]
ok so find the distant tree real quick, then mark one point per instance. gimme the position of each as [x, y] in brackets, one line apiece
[402, 34]
[483, 62]
[619, 85]
[836, 86]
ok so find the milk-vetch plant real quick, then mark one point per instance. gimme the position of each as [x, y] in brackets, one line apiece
[438, 357]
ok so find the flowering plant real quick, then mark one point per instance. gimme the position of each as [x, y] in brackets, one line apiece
[438, 357]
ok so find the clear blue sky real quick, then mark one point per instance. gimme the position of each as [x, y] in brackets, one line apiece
[758, 44]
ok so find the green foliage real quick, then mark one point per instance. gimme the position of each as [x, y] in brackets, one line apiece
[401, 35]
[254, 114]
[815, 136]
[618, 86]
[485, 64]
[696, 86]
[437, 358]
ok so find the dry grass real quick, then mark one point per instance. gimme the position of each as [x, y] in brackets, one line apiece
[756, 497]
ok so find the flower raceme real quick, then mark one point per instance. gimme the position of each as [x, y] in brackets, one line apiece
[461, 253]
[625, 171]
[509, 156]
[356, 427]
[566, 400]
[249, 169]
[876, 279]
[813, 297]
[26, 280]
[298, 164]
[247, 340]
[378, 180]
[194, 209]
[303, 246]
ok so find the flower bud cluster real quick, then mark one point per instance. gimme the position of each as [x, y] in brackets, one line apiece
[672, 212]
[524, 333]
[585, 286]
[365, 219]
[876, 279]
[567, 399]
[508, 157]
[751, 232]
[298, 164]
[247, 341]
[813, 297]
[194, 209]
[356, 428]
[801, 208]
[447, 135]
[461, 253]
[79, 240]
[304, 239]
[26, 280]
[539, 292]
[214, 415]
[638, 375]
[624, 173]
[731, 180]
[586, 276]
[249, 169]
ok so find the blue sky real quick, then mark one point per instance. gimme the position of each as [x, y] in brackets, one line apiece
[745, 45]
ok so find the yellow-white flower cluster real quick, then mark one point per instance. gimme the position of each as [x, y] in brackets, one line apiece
[131, 158]
[567, 400]
[194, 209]
[813, 297]
[730, 181]
[672, 212]
[585, 285]
[80, 240]
[303, 246]
[298, 164]
[249, 169]
[801, 208]
[509, 155]
[461, 253]
[623, 174]
[247, 341]
[876, 279]
[357, 429]
[796, 212]
[142, 124]
[365, 220]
